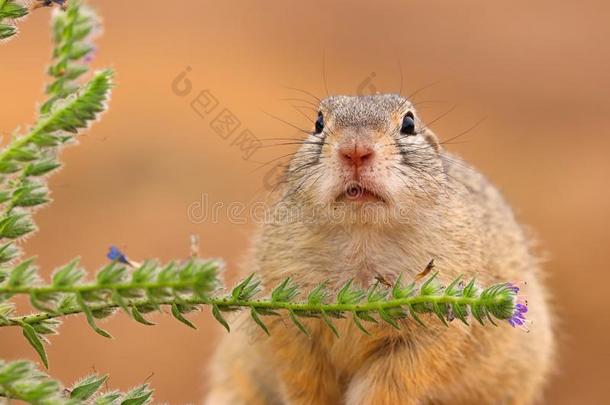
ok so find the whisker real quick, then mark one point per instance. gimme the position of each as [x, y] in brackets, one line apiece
[287, 123]
[279, 139]
[324, 73]
[428, 124]
[307, 117]
[419, 103]
[464, 132]
[427, 86]
[401, 76]
[291, 99]
[292, 143]
[273, 160]
[303, 91]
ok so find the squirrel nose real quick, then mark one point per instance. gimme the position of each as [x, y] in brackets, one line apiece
[358, 154]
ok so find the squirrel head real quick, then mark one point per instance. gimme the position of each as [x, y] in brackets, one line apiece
[366, 152]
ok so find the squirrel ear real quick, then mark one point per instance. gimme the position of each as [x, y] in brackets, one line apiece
[431, 138]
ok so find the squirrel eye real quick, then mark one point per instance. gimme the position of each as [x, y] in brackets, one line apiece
[408, 124]
[319, 123]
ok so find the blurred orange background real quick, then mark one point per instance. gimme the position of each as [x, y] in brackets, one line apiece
[537, 72]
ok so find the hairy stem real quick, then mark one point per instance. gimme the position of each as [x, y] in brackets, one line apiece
[38, 129]
[224, 302]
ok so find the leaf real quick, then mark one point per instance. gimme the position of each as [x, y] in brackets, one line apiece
[139, 318]
[399, 292]
[237, 291]
[12, 10]
[478, 313]
[68, 275]
[21, 154]
[330, 323]
[348, 296]
[267, 311]
[470, 290]
[450, 290]
[439, 313]
[78, 51]
[23, 274]
[8, 252]
[41, 168]
[7, 309]
[7, 31]
[459, 312]
[145, 273]
[111, 274]
[298, 323]
[499, 301]
[387, 318]
[38, 301]
[137, 396]
[178, 315]
[284, 292]
[46, 327]
[415, 316]
[34, 340]
[89, 315]
[360, 326]
[73, 113]
[428, 288]
[15, 371]
[117, 298]
[375, 293]
[219, 318]
[108, 398]
[8, 167]
[318, 295]
[365, 316]
[84, 389]
[259, 321]
[168, 273]
[15, 225]
[490, 318]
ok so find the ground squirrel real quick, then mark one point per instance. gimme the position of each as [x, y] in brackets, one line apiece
[374, 151]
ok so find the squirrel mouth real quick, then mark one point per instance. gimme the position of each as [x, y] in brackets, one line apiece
[357, 193]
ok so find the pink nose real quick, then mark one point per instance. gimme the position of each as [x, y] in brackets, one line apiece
[356, 155]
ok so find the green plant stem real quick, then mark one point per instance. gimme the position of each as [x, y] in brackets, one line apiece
[85, 288]
[8, 392]
[39, 128]
[224, 302]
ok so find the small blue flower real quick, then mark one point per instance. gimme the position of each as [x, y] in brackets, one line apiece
[48, 3]
[115, 254]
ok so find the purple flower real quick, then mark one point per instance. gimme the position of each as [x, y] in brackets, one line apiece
[90, 55]
[115, 254]
[518, 318]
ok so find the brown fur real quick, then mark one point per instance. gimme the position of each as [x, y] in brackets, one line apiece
[449, 213]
